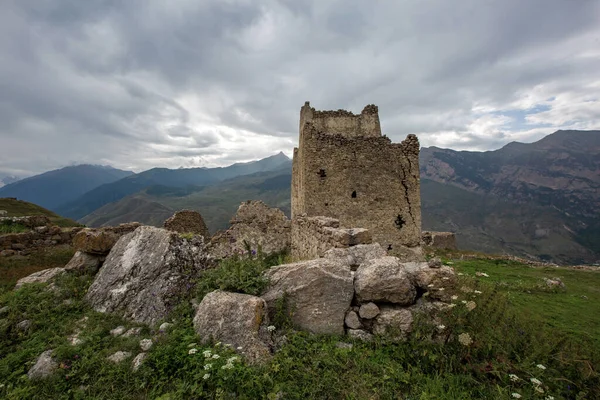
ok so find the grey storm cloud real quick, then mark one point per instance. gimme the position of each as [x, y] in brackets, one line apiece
[147, 83]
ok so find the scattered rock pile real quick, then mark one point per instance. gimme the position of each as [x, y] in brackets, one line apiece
[254, 225]
[93, 245]
[40, 237]
[357, 290]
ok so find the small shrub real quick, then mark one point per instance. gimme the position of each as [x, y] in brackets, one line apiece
[240, 274]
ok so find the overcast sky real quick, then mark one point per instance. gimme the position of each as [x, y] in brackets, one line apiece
[144, 83]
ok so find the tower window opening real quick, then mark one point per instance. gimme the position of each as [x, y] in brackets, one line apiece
[354, 194]
[321, 173]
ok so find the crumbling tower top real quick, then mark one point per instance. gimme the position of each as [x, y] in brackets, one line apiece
[342, 122]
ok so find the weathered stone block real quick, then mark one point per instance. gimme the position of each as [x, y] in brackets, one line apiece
[240, 320]
[384, 280]
[319, 293]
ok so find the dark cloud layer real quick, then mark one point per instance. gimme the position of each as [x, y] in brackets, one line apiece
[147, 83]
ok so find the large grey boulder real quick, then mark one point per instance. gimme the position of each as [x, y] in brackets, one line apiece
[44, 366]
[356, 255]
[384, 280]
[318, 291]
[147, 272]
[240, 320]
[43, 276]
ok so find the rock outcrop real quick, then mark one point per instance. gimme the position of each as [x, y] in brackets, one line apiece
[43, 276]
[43, 367]
[240, 320]
[318, 291]
[255, 225]
[188, 221]
[146, 273]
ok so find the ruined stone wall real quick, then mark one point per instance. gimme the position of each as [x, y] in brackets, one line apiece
[40, 237]
[342, 122]
[439, 240]
[313, 236]
[364, 181]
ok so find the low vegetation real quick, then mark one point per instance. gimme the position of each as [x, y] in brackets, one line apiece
[14, 268]
[503, 339]
[9, 226]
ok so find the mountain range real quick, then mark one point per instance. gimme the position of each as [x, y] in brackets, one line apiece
[539, 200]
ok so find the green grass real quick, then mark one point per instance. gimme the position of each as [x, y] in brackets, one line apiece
[575, 311]
[430, 365]
[20, 208]
[14, 268]
[10, 227]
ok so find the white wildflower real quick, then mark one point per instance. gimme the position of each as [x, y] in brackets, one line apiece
[441, 289]
[208, 366]
[207, 353]
[441, 327]
[227, 366]
[540, 366]
[465, 339]
[216, 356]
[451, 305]
[516, 395]
[445, 278]
[549, 398]
[464, 301]
[535, 381]
[193, 351]
[239, 348]
[206, 376]
[539, 389]
[431, 285]
[233, 359]
[513, 377]
[477, 292]
[455, 297]
[460, 274]
[271, 328]
[217, 344]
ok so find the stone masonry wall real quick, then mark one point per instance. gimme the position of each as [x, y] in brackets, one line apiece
[40, 237]
[313, 236]
[363, 180]
[439, 240]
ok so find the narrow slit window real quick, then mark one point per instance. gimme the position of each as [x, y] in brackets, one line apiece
[354, 194]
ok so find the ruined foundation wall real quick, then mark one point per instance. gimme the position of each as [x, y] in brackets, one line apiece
[313, 236]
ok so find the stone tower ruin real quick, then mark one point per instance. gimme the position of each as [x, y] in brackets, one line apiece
[346, 169]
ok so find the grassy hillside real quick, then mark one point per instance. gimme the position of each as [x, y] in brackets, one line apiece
[527, 339]
[20, 208]
[490, 224]
[217, 203]
[134, 208]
